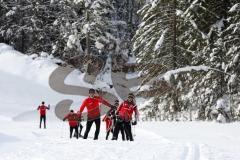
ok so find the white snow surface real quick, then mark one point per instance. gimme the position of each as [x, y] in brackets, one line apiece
[132, 75]
[179, 12]
[219, 24]
[31, 68]
[193, 24]
[86, 28]
[235, 7]
[73, 40]
[21, 139]
[160, 40]
[99, 45]
[221, 118]
[132, 59]
[223, 103]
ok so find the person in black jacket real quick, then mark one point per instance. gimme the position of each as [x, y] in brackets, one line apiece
[116, 121]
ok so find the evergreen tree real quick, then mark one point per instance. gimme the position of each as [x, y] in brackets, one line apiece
[155, 43]
[208, 20]
[199, 41]
[98, 26]
[28, 25]
[67, 26]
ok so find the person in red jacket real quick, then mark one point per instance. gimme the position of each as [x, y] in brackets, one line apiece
[42, 110]
[124, 114]
[114, 118]
[73, 120]
[109, 124]
[92, 103]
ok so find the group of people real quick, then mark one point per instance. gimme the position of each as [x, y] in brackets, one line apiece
[118, 118]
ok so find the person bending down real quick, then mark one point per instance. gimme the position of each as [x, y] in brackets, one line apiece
[73, 120]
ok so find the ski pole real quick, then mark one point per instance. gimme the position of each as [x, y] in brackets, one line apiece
[134, 131]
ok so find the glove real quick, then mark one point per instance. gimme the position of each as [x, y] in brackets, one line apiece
[134, 123]
[118, 118]
[63, 120]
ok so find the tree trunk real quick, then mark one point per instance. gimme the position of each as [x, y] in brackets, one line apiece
[174, 54]
[87, 36]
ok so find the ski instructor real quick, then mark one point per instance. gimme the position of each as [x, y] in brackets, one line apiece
[92, 103]
[124, 114]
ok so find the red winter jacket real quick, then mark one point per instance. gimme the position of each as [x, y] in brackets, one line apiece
[73, 119]
[43, 109]
[108, 121]
[126, 109]
[93, 106]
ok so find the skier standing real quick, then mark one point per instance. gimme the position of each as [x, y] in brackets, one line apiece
[42, 110]
[116, 120]
[124, 114]
[73, 120]
[92, 103]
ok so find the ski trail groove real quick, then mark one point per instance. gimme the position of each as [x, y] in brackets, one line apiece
[191, 152]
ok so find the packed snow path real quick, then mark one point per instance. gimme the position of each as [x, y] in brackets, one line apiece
[54, 144]
[25, 141]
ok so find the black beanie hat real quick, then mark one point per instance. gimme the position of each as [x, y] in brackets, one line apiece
[131, 95]
[91, 90]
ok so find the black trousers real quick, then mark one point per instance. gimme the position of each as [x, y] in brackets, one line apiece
[121, 129]
[89, 125]
[124, 128]
[42, 118]
[80, 126]
[108, 132]
[128, 130]
[76, 131]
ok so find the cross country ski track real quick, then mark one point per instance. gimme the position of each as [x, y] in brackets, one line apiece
[53, 143]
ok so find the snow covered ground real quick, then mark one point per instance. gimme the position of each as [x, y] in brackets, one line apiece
[21, 139]
[153, 141]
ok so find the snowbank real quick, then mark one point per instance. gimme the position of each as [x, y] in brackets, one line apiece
[33, 68]
[24, 84]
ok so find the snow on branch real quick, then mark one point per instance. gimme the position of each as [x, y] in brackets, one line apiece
[235, 8]
[166, 76]
[160, 41]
